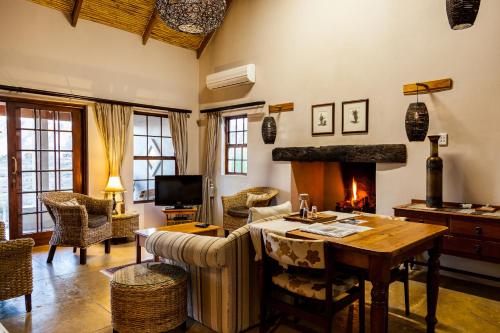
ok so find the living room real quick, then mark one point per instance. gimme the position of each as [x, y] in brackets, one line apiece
[301, 63]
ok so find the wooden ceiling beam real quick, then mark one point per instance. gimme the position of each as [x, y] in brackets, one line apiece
[209, 36]
[149, 26]
[77, 7]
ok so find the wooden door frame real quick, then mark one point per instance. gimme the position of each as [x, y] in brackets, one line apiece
[15, 229]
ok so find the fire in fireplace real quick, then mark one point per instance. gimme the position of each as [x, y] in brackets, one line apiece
[359, 188]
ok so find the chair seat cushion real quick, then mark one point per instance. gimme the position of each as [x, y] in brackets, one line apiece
[240, 211]
[97, 220]
[312, 287]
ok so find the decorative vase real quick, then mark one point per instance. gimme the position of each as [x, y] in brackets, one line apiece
[434, 196]
[269, 130]
[417, 121]
[462, 13]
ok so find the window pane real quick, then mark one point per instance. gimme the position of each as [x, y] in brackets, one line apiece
[154, 124]
[65, 123]
[232, 125]
[47, 222]
[239, 138]
[29, 223]
[27, 118]
[244, 167]
[28, 161]
[27, 140]
[168, 147]
[46, 140]
[245, 153]
[139, 124]
[239, 126]
[151, 190]
[154, 169]
[245, 137]
[230, 166]
[140, 147]
[230, 153]
[48, 181]
[66, 141]
[232, 138]
[46, 120]
[140, 190]
[29, 203]
[28, 181]
[66, 180]
[245, 123]
[140, 169]
[168, 168]
[238, 154]
[165, 127]
[66, 160]
[237, 166]
[47, 160]
[154, 148]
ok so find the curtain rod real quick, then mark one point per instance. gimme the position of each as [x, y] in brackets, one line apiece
[87, 98]
[234, 107]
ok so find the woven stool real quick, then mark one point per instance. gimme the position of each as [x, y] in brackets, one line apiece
[149, 297]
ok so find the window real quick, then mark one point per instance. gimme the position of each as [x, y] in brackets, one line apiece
[236, 145]
[153, 154]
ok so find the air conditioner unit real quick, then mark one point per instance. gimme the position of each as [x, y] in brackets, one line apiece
[232, 77]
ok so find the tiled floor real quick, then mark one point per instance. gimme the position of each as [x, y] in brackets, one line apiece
[71, 298]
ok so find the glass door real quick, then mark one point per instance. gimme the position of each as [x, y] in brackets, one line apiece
[4, 175]
[45, 154]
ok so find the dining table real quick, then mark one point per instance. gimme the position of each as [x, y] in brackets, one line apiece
[387, 244]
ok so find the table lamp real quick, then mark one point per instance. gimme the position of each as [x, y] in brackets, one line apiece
[114, 186]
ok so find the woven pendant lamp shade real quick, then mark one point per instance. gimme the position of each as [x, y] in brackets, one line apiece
[268, 130]
[462, 13]
[417, 121]
[192, 16]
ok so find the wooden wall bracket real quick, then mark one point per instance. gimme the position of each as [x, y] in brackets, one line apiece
[285, 107]
[428, 87]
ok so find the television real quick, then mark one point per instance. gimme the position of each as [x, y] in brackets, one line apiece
[178, 191]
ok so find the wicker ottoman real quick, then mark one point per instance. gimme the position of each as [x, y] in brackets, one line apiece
[124, 225]
[149, 297]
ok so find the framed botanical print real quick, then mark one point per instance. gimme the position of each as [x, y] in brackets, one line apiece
[322, 117]
[355, 116]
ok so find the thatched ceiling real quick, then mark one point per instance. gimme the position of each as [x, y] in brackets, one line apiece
[135, 16]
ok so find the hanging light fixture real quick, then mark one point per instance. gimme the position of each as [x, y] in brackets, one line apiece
[462, 13]
[192, 16]
[268, 130]
[417, 120]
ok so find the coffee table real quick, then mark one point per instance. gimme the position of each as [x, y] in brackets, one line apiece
[188, 228]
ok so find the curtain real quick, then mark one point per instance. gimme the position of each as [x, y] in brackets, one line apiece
[112, 122]
[212, 139]
[178, 128]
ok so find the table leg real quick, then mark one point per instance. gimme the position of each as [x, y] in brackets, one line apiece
[433, 285]
[138, 258]
[379, 276]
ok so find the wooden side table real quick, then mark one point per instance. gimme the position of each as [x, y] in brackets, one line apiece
[172, 215]
[124, 225]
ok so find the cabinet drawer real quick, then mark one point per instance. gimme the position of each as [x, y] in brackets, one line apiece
[477, 228]
[423, 218]
[491, 250]
[485, 250]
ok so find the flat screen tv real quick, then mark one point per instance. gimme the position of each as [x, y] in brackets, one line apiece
[178, 191]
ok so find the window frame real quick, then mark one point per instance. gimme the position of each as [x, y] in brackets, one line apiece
[228, 145]
[151, 158]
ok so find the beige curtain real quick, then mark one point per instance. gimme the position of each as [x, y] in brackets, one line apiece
[112, 122]
[212, 139]
[178, 128]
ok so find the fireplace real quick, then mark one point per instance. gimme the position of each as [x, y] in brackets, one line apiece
[340, 186]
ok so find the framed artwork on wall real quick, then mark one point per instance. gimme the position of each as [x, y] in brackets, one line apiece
[322, 119]
[355, 116]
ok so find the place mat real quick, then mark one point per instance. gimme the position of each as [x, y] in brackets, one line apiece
[320, 217]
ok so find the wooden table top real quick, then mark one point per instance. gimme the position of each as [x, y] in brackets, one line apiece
[387, 238]
[189, 228]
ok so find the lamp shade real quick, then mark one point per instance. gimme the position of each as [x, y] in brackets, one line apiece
[462, 13]
[268, 130]
[417, 121]
[114, 185]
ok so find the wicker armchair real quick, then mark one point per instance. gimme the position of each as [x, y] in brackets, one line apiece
[78, 225]
[16, 272]
[231, 222]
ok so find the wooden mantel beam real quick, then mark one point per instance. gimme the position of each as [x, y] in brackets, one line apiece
[149, 26]
[77, 6]
[209, 36]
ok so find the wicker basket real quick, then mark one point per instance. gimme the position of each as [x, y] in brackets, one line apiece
[149, 297]
[124, 225]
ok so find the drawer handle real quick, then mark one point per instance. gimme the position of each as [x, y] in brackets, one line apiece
[478, 230]
[477, 248]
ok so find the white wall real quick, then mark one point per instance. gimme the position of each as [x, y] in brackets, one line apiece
[40, 49]
[338, 50]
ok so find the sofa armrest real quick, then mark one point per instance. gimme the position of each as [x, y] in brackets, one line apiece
[194, 250]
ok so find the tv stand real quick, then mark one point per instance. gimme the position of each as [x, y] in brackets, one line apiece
[179, 215]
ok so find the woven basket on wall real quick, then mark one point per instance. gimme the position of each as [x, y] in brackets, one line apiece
[417, 121]
[462, 13]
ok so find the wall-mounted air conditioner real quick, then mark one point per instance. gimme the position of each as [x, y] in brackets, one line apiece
[232, 77]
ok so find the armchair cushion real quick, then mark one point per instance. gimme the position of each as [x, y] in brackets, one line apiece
[239, 211]
[97, 220]
[258, 213]
[72, 202]
[257, 199]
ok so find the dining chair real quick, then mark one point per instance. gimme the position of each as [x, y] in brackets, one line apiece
[304, 271]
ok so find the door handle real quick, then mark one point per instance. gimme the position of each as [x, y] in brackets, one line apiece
[14, 160]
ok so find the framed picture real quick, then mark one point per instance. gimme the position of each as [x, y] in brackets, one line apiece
[323, 116]
[355, 116]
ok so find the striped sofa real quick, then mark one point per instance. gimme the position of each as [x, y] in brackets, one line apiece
[223, 293]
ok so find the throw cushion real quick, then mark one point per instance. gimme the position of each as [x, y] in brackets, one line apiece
[97, 220]
[258, 213]
[240, 211]
[253, 198]
[71, 202]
